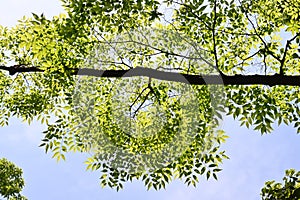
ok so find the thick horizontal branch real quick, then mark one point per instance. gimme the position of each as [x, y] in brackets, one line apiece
[270, 80]
[20, 68]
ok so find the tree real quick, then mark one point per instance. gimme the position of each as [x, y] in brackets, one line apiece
[11, 181]
[290, 189]
[142, 85]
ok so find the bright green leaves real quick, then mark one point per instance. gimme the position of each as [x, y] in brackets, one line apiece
[252, 106]
[283, 191]
[110, 16]
[5, 81]
[180, 140]
[173, 145]
[35, 42]
[4, 41]
[245, 36]
[289, 13]
[144, 129]
[259, 107]
[11, 181]
[274, 19]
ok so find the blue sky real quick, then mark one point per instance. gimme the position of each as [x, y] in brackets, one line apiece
[253, 158]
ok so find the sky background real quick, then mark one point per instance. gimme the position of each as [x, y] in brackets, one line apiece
[254, 159]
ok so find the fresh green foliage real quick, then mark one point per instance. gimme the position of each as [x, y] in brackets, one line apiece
[288, 191]
[11, 180]
[144, 128]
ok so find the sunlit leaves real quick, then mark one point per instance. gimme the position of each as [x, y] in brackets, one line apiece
[259, 107]
[289, 189]
[11, 181]
[128, 127]
[109, 16]
[147, 153]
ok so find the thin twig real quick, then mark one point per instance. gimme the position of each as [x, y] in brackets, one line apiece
[285, 52]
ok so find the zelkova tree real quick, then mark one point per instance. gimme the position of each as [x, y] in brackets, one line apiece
[143, 85]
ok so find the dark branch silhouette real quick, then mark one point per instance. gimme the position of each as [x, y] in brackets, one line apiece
[271, 80]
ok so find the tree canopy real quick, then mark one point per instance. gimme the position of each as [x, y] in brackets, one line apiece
[11, 181]
[290, 190]
[142, 85]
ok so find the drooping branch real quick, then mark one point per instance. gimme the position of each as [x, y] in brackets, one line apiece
[271, 80]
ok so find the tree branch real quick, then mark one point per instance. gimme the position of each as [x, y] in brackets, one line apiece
[271, 80]
[12, 70]
[258, 34]
[285, 52]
